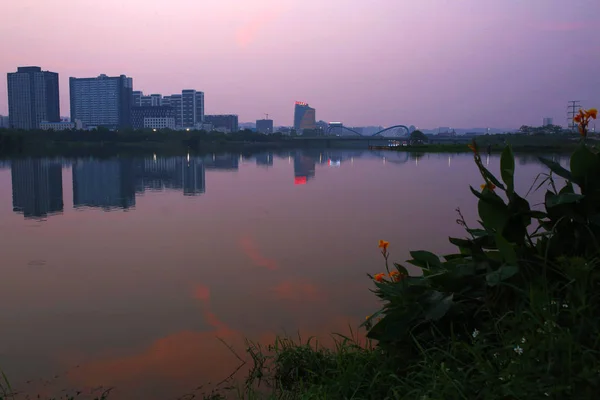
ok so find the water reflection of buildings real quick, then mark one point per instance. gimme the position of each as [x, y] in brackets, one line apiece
[222, 162]
[264, 160]
[175, 173]
[304, 168]
[37, 187]
[104, 183]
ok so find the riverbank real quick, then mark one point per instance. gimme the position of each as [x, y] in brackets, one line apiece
[85, 143]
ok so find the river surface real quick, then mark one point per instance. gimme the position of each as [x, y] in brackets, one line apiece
[127, 273]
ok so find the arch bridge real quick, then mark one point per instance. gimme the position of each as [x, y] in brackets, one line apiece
[395, 131]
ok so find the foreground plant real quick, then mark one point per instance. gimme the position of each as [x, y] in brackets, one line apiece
[493, 304]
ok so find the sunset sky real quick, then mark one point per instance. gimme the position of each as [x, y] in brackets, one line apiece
[459, 63]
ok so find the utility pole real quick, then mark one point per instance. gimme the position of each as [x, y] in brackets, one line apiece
[266, 116]
[572, 110]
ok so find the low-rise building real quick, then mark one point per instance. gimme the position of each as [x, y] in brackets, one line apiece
[226, 123]
[154, 117]
[264, 126]
[61, 126]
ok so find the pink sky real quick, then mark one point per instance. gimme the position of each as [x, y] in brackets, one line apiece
[460, 63]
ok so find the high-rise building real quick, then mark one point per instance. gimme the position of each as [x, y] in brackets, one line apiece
[304, 116]
[264, 126]
[32, 97]
[175, 101]
[192, 108]
[226, 123]
[4, 121]
[548, 121]
[37, 187]
[103, 101]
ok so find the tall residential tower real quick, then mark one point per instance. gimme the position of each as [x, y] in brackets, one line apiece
[103, 101]
[32, 97]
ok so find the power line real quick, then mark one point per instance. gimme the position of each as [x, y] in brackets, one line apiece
[572, 108]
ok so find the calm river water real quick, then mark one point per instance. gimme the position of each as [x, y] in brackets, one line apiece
[125, 272]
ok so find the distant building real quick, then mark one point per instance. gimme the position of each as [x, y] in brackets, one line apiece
[136, 98]
[226, 123]
[264, 126]
[304, 116]
[37, 189]
[103, 101]
[32, 97]
[154, 117]
[175, 101]
[192, 108]
[548, 121]
[4, 122]
[61, 126]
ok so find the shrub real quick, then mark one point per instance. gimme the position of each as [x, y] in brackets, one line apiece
[515, 311]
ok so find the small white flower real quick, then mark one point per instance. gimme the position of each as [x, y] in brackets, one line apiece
[501, 378]
[565, 305]
[546, 394]
[496, 355]
[553, 302]
[518, 350]
[523, 340]
[475, 333]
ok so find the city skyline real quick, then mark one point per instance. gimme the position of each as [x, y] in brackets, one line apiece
[500, 64]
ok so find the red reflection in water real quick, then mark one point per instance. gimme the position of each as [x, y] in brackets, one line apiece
[297, 291]
[300, 180]
[250, 249]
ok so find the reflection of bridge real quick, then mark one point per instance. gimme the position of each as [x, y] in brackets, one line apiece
[394, 131]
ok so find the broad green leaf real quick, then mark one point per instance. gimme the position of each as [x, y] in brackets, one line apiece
[487, 174]
[583, 163]
[506, 249]
[501, 274]
[426, 258]
[565, 198]
[401, 268]
[507, 168]
[493, 216]
[557, 168]
[440, 306]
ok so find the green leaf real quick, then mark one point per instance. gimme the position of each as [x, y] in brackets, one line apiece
[493, 216]
[478, 232]
[401, 269]
[536, 214]
[557, 168]
[440, 306]
[565, 198]
[507, 168]
[424, 259]
[487, 174]
[583, 163]
[501, 274]
[506, 249]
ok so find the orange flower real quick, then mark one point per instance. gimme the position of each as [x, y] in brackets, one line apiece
[490, 186]
[396, 276]
[367, 318]
[379, 277]
[473, 148]
[592, 113]
[578, 118]
[383, 245]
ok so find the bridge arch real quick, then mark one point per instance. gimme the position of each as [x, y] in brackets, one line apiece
[392, 129]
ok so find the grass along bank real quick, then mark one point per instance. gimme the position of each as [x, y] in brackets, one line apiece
[514, 313]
